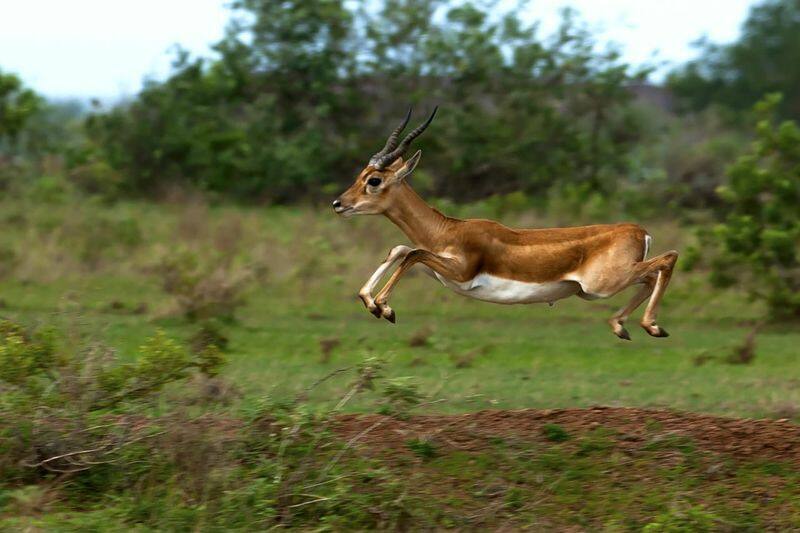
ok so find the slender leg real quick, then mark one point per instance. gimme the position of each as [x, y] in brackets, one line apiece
[395, 254]
[618, 320]
[651, 311]
[655, 274]
[446, 266]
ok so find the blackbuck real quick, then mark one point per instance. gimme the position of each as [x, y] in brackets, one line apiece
[486, 260]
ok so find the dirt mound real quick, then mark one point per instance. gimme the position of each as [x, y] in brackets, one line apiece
[631, 428]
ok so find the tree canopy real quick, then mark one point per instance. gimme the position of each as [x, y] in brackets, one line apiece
[301, 92]
[17, 105]
[765, 59]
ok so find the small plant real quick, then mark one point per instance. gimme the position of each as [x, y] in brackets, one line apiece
[421, 337]
[745, 353]
[326, 348]
[209, 334]
[423, 448]
[400, 395]
[555, 433]
[209, 288]
[61, 407]
[684, 518]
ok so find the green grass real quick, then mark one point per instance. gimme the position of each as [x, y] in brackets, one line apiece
[478, 355]
[586, 483]
[82, 267]
[524, 356]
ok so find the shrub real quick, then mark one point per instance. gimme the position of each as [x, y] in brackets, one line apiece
[555, 433]
[204, 288]
[523, 112]
[756, 243]
[80, 427]
[62, 410]
[97, 177]
[97, 236]
[210, 334]
[400, 395]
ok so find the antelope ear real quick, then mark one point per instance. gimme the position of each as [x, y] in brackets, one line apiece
[396, 164]
[408, 167]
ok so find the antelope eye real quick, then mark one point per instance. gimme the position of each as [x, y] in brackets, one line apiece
[374, 182]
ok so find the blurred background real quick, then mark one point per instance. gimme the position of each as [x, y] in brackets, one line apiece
[629, 105]
[176, 162]
[179, 300]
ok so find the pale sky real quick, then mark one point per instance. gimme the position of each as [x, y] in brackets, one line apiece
[105, 48]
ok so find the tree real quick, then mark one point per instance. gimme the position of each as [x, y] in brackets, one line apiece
[763, 60]
[17, 105]
[303, 91]
[756, 243]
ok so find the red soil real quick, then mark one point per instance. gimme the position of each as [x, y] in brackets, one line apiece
[633, 428]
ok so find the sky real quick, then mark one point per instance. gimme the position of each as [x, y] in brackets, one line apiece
[106, 48]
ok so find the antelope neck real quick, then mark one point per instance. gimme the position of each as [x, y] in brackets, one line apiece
[421, 223]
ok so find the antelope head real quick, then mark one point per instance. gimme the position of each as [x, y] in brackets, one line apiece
[375, 186]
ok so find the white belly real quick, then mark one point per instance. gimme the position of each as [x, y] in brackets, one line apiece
[507, 291]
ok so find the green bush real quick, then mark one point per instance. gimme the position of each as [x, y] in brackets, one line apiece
[17, 105]
[82, 428]
[209, 287]
[755, 245]
[281, 115]
[61, 407]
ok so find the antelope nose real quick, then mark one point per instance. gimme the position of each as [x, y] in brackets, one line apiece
[337, 203]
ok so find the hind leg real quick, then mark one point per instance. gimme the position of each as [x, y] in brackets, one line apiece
[607, 280]
[665, 263]
[618, 320]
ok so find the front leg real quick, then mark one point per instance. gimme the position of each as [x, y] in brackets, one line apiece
[450, 267]
[395, 254]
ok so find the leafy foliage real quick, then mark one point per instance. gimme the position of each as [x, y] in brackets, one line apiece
[763, 60]
[280, 113]
[61, 407]
[17, 105]
[102, 432]
[756, 244]
[204, 287]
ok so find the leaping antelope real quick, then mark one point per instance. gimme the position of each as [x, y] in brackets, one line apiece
[486, 260]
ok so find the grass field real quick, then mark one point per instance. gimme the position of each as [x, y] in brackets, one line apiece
[97, 272]
[472, 354]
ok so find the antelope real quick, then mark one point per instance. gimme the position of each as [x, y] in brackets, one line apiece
[486, 260]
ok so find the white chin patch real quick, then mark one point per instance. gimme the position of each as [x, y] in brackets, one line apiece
[508, 291]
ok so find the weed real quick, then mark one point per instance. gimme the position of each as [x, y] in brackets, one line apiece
[423, 448]
[399, 396]
[683, 518]
[209, 334]
[326, 347]
[204, 288]
[555, 433]
[421, 337]
[57, 401]
[746, 351]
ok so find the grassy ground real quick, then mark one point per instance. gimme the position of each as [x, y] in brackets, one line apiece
[97, 271]
[473, 354]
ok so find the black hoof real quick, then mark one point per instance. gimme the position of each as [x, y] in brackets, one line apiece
[661, 332]
[656, 331]
[623, 334]
[391, 317]
[376, 311]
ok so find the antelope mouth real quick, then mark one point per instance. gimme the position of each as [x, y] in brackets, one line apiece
[345, 211]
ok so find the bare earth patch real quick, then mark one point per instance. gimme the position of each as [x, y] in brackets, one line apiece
[602, 468]
[633, 428]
